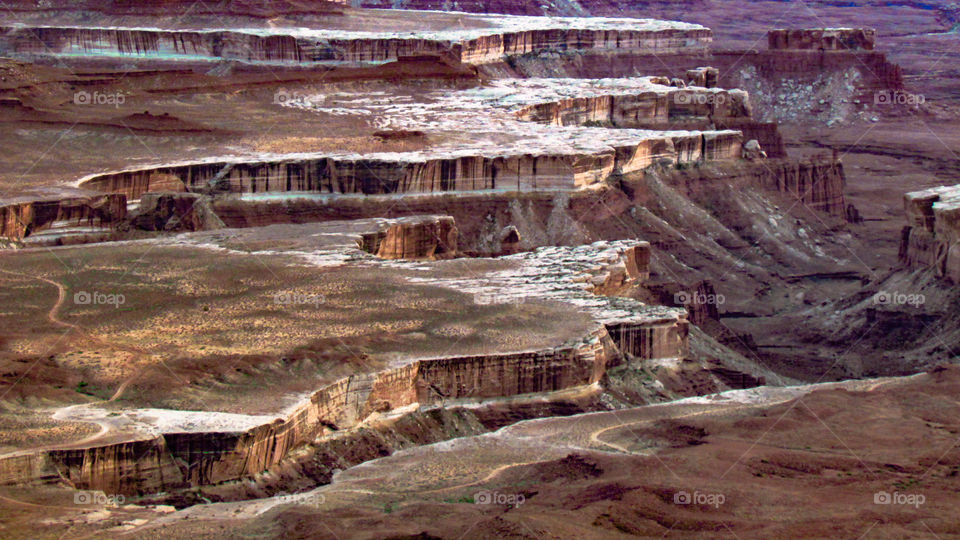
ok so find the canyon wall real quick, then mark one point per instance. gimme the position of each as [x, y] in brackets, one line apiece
[818, 183]
[311, 46]
[823, 39]
[23, 216]
[422, 174]
[761, 72]
[647, 110]
[932, 236]
[174, 461]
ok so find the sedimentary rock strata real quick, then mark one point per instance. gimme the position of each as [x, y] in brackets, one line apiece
[61, 209]
[932, 235]
[487, 39]
[823, 39]
[817, 182]
[371, 174]
[414, 239]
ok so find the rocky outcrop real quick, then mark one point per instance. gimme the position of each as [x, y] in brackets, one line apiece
[410, 238]
[490, 39]
[932, 235]
[767, 134]
[681, 107]
[810, 74]
[823, 39]
[706, 77]
[175, 212]
[423, 173]
[61, 209]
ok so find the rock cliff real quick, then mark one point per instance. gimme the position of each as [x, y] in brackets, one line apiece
[489, 39]
[414, 239]
[932, 235]
[817, 183]
[430, 172]
[61, 209]
[823, 39]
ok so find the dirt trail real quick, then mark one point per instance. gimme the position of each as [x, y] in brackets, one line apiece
[53, 315]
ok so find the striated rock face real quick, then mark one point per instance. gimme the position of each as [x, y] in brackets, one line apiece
[422, 173]
[932, 235]
[228, 8]
[817, 182]
[22, 216]
[648, 110]
[823, 39]
[435, 238]
[647, 103]
[491, 39]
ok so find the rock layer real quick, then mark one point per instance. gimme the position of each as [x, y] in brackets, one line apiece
[502, 37]
[22, 216]
[414, 239]
[422, 173]
[932, 235]
[823, 39]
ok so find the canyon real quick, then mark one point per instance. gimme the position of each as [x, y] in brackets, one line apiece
[270, 267]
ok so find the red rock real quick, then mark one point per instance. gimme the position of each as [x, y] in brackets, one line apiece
[823, 39]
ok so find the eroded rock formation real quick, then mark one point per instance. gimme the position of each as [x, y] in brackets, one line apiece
[503, 36]
[63, 209]
[420, 173]
[432, 238]
[932, 235]
[175, 212]
[823, 39]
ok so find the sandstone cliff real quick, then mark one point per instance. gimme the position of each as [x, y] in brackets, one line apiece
[823, 39]
[420, 173]
[22, 216]
[414, 239]
[817, 183]
[504, 36]
[932, 235]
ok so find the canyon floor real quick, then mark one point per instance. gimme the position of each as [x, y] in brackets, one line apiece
[546, 292]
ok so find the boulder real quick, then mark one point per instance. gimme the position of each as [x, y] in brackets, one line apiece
[752, 151]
